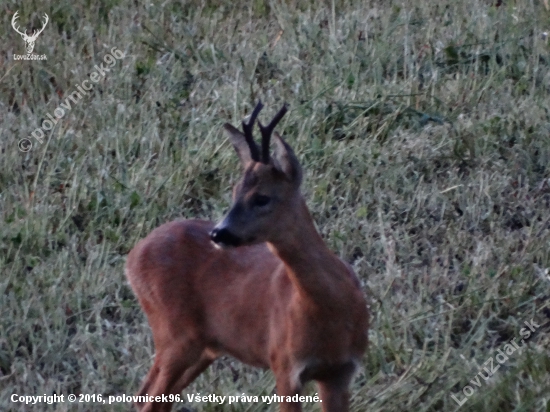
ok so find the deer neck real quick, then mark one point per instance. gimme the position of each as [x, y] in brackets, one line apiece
[317, 273]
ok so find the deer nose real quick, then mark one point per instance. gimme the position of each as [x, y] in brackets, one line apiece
[224, 237]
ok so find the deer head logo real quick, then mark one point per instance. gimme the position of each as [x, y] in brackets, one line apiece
[29, 40]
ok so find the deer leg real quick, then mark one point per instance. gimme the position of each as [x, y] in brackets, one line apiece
[286, 388]
[148, 382]
[173, 369]
[334, 394]
[187, 377]
[191, 373]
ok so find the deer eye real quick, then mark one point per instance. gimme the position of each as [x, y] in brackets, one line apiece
[261, 200]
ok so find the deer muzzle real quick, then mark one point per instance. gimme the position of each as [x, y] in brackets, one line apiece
[224, 238]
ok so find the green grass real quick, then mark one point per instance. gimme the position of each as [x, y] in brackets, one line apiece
[424, 131]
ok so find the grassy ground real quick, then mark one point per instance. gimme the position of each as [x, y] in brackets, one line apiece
[425, 134]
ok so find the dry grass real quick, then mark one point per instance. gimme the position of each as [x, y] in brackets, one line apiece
[425, 134]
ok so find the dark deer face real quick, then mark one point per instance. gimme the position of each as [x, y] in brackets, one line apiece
[269, 189]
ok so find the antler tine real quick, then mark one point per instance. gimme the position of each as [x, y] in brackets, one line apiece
[247, 129]
[46, 19]
[36, 33]
[268, 130]
[13, 23]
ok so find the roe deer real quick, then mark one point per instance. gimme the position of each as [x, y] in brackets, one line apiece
[260, 286]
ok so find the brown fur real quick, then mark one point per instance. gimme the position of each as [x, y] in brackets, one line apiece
[288, 304]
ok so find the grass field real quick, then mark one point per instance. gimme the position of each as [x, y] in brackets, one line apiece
[424, 131]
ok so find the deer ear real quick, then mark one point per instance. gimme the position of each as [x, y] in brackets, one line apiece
[239, 143]
[286, 161]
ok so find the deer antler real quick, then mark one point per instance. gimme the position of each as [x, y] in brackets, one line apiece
[268, 130]
[35, 34]
[13, 19]
[247, 129]
[24, 34]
